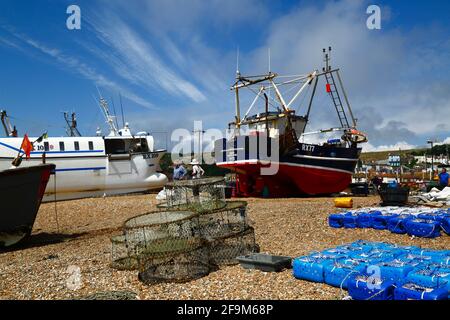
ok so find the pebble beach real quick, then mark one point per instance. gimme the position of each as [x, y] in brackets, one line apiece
[74, 237]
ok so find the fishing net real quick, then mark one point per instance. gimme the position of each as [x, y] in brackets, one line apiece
[225, 250]
[174, 260]
[198, 195]
[121, 259]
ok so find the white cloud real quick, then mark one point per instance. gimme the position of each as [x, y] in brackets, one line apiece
[74, 65]
[402, 145]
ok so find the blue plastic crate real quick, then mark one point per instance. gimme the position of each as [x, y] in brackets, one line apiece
[416, 260]
[445, 225]
[350, 220]
[336, 220]
[338, 273]
[397, 225]
[396, 270]
[363, 287]
[430, 253]
[430, 276]
[307, 268]
[411, 291]
[365, 219]
[423, 228]
[381, 222]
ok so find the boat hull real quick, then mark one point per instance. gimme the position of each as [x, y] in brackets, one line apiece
[21, 192]
[306, 170]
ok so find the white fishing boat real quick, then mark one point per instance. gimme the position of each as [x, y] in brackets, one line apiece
[118, 163]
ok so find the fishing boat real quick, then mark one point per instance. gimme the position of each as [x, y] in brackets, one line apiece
[118, 163]
[267, 150]
[21, 192]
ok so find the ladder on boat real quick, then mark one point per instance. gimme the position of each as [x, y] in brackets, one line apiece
[336, 100]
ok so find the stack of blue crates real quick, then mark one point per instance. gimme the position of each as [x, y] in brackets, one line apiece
[418, 222]
[379, 271]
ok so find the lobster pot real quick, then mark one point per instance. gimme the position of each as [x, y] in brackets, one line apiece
[364, 287]
[224, 222]
[174, 260]
[337, 274]
[430, 277]
[423, 228]
[155, 227]
[225, 250]
[198, 195]
[121, 259]
[412, 291]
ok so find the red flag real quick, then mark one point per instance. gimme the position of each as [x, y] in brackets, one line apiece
[328, 88]
[26, 146]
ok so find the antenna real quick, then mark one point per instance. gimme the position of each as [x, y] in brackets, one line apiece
[326, 59]
[121, 107]
[114, 110]
[269, 60]
[237, 62]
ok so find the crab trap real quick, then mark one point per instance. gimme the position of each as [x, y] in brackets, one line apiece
[173, 260]
[198, 195]
[225, 250]
[145, 229]
[230, 220]
[121, 259]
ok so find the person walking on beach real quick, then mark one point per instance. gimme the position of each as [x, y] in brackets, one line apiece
[197, 171]
[444, 178]
[179, 172]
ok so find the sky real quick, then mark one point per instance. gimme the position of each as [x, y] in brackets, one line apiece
[173, 62]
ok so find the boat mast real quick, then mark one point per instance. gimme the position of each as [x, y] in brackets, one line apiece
[71, 122]
[109, 118]
[9, 129]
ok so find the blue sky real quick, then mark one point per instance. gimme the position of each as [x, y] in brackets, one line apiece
[173, 62]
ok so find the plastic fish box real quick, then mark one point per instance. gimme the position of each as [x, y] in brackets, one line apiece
[423, 228]
[411, 291]
[306, 268]
[445, 225]
[363, 287]
[396, 270]
[415, 260]
[350, 221]
[436, 216]
[397, 225]
[430, 277]
[365, 218]
[380, 222]
[336, 220]
[265, 262]
[337, 274]
[430, 253]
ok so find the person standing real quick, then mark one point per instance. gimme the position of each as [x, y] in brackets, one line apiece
[444, 178]
[179, 172]
[197, 171]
